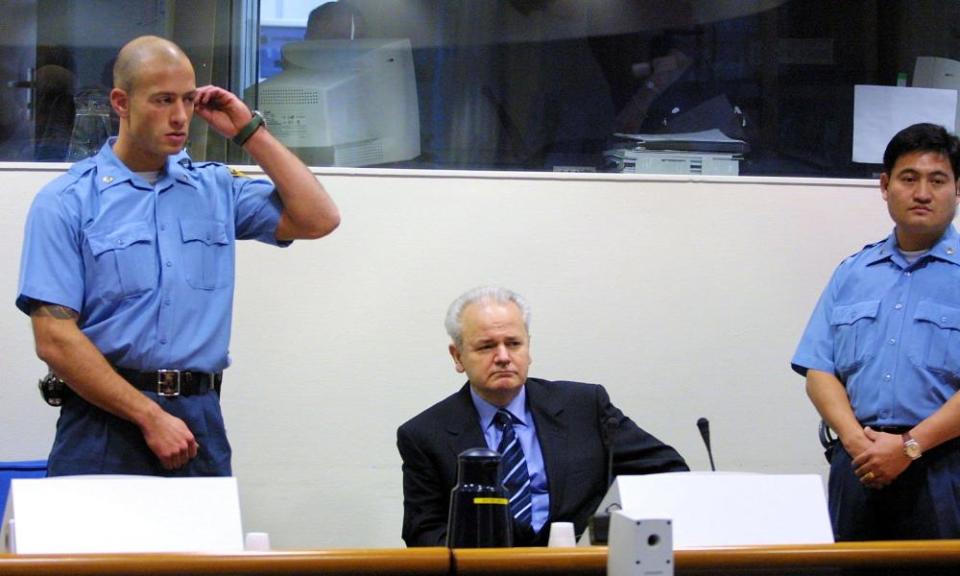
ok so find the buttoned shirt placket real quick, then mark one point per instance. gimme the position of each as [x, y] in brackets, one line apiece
[894, 309]
[165, 229]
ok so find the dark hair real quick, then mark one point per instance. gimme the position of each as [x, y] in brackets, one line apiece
[334, 20]
[923, 138]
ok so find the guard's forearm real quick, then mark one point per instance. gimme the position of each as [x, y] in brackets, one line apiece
[75, 359]
[308, 211]
[830, 399]
[941, 426]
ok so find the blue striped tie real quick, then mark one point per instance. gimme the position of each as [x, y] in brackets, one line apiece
[516, 478]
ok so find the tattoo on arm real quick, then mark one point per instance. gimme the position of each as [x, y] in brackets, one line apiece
[54, 310]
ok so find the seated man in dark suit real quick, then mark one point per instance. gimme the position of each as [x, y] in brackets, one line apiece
[563, 428]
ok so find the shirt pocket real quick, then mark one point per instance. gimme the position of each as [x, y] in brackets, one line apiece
[124, 261]
[855, 327]
[207, 253]
[936, 341]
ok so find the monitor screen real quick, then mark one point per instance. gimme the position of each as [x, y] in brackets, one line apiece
[344, 102]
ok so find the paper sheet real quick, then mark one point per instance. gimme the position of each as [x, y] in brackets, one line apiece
[728, 508]
[879, 112]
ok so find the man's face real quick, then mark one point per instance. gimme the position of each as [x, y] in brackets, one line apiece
[157, 112]
[495, 351]
[921, 195]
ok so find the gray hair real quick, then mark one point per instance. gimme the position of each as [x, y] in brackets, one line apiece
[494, 293]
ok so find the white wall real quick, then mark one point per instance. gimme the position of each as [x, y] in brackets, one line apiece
[685, 298]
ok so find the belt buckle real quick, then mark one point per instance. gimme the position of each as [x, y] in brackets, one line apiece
[168, 383]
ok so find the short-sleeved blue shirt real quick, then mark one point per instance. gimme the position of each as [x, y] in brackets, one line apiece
[890, 331]
[149, 268]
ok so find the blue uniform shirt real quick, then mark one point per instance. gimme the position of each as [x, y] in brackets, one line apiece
[150, 269]
[526, 431]
[890, 331]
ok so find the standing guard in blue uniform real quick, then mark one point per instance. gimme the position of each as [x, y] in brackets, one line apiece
[127, 270]
[881, 355]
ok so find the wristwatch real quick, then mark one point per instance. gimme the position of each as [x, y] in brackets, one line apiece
[247, 131]
[911, 447]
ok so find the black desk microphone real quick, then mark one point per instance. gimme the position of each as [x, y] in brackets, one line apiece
[609, 426]
[704, 425]
[600, 523]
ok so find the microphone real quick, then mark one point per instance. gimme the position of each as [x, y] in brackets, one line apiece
[704, 425]
[599, 523]
[609, 425]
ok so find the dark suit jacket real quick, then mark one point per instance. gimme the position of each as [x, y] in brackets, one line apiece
[570, 417]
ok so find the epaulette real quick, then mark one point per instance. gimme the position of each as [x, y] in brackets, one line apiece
[192, 166]
[865, 248]
[74, 174]
[189, 164]
[82, 167]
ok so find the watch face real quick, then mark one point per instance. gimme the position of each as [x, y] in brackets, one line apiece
[912, 449]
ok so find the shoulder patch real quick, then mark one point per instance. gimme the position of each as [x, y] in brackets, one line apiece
[236, 173]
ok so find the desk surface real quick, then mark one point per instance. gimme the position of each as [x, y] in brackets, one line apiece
[917, 556]
[338, 561]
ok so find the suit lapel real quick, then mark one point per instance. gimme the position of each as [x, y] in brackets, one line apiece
[552, 434]
[463, 426]
[464, 432]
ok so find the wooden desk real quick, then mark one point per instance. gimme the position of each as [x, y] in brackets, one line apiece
[914, 558]
[385, 561]
[918, 556]
[585, 560]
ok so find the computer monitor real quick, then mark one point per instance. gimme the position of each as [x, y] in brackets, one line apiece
[344, 102]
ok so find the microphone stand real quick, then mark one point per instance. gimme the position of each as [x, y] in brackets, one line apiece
[704, 425]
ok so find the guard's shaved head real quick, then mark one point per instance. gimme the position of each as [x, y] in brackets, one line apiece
[154, 95]
[140, 55]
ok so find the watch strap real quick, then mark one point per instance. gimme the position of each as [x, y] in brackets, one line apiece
[247, 131]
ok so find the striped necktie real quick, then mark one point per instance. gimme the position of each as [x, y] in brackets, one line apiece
[516, 478]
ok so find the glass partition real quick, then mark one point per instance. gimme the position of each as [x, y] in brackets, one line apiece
[765, 87]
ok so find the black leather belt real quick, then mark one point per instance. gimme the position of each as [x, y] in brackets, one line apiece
[898, 430]
[172, 383]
